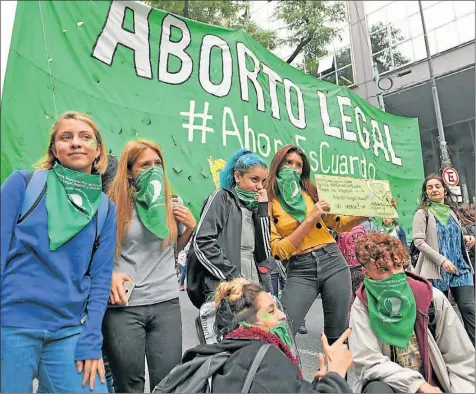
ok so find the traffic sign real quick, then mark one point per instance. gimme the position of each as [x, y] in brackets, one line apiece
[450, 176]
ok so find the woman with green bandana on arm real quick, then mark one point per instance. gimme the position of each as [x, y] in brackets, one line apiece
[57, 247]
[148, 323]
[232, 236]
[406, 337]
[443, 259]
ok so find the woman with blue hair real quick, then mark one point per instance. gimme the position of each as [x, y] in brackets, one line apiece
[232, 236]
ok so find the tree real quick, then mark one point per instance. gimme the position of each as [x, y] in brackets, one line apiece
[310, 24]
[225, 13]
[382, 38]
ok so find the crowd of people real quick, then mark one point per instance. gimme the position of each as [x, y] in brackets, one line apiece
[89, 284]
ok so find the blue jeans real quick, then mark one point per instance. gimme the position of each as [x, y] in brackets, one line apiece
[29, 353]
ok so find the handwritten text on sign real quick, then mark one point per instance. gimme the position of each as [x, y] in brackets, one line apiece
[356, 197]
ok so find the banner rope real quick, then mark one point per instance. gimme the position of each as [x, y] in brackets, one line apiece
[48, 60]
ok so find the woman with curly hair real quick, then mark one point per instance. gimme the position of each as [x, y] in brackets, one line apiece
[444, 260]
[406, 337]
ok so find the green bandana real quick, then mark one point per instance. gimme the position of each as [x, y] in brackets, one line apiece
[388, 230]
[72, 199]
[290, 194]
[150, 201]
[441, 211]
[392, 309]
[249, 199]
[281, 331]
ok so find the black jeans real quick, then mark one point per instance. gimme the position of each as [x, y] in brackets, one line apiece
[324, 272]
[134, 332]
[464, 297]
[376, 386]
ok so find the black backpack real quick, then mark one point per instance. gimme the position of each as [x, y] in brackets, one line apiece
[196, 376]
[414, 251]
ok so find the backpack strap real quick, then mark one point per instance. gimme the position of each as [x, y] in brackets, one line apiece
[254, 367]
[99, 220]
[35, 189]
[432, 319]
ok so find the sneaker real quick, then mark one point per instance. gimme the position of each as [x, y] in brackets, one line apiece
[302, 328]
[181, 287]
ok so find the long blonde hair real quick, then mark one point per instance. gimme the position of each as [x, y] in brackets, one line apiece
[121, 191]
[49, 159]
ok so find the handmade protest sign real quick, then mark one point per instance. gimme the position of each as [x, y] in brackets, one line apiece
[356, 197]
[201, 92]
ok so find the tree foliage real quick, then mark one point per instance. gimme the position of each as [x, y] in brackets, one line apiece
[225, 13]
[382, 37]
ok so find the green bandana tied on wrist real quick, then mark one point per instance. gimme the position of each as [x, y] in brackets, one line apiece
[441, 211]
[392, 309]
[72, 200]
[150, 201]
[249, 199]
[290, 194]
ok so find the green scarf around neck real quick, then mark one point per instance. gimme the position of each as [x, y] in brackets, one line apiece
[149, 199]
[388, 230]
[249, 199]
[441, 211]
[392, 309]
[72, 200]
[290, 193]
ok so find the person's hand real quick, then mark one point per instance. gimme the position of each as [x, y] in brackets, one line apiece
[184, 216]
[91, 368]
[320, 208]
[469, 240]
[117, 294]
[428, 388]
[262, 195]
[449, 267]
[337, 357]
[394, 203]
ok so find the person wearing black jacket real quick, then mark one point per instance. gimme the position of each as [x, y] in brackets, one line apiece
[232, 236]
[247, 319]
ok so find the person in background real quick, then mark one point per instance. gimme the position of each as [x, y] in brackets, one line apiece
[391, 227]
[182, 262]
[232, 236]
[247, 318]
[299, 233]
[406, 337]
[443, 258]
[55, 265]
[468, 218]
[147, 324]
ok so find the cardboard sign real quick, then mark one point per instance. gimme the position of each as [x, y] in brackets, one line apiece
[356, 197]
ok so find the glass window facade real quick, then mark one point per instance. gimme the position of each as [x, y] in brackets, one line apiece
[336, 65]
[396, 31]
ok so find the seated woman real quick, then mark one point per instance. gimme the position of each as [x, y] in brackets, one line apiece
[406, 337]
[248, 318]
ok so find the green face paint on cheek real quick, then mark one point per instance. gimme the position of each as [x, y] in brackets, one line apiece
[92, 144]
[265, 316]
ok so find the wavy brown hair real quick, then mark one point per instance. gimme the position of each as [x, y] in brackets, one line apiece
[467, 215]
[450, 198]
[49, 159]
[378, 249]
[278, 160]
[121, 191]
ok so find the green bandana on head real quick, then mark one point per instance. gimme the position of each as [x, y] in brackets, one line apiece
[249, 199]
[72, 199]
[441, 211]
[392, 309]
[290, 194]
[150, 201]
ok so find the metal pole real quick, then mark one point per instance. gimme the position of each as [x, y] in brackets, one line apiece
[379, 94]
[445, 157]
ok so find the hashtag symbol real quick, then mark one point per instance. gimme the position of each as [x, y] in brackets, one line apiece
[191, 126]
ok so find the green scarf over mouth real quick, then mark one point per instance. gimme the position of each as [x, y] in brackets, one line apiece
[290, 193]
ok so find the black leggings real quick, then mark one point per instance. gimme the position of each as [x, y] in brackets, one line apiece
[322, 272]
[464, 297]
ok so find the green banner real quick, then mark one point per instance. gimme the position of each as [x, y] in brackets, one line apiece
[201, 92]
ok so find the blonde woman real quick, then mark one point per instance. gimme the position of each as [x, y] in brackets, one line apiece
[56, 260]
[148, 323]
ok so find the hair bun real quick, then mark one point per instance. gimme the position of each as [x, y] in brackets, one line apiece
[230, 291]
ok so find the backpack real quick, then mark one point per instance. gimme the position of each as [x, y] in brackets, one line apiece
[35, 190]
[346, 244]
[414, 251]
[196, 375]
